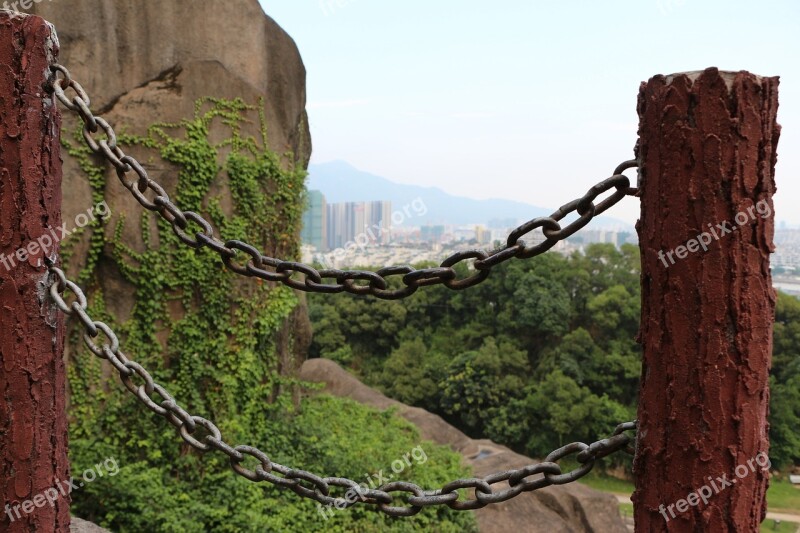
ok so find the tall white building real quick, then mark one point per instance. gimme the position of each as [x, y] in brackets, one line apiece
[359, 222]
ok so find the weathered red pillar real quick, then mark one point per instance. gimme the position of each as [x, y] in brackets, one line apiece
[33, 426]
[707, 152]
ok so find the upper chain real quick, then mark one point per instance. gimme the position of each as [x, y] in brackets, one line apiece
[358, 282]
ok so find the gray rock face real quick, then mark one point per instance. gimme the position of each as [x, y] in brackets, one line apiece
[148, 61]
[566, 508]
[114, 46]
[82, 526]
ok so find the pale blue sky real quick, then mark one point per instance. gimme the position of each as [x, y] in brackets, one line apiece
[532, 100]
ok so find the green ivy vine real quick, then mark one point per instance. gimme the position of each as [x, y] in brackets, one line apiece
[220, 359]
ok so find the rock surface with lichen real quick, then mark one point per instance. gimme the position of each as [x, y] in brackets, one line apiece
[149, 61]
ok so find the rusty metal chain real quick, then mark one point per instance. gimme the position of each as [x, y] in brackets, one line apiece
[359, 282]
[203, 435]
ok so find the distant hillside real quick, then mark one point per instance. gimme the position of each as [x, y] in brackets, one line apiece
[341, 182]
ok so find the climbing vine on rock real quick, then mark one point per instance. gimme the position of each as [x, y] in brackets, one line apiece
[211, 339]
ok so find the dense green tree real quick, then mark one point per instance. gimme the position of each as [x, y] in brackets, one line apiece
[412, 374]
[538, 311]
[574, 356]
[614, 309]
[786, 338]
[357, 331]
[556, 411]
[478, 381]
[784, 428]
[540, 353]
[784, 422]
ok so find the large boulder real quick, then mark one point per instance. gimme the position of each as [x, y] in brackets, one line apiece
[148, 61]
[566, 508]
[224, 49]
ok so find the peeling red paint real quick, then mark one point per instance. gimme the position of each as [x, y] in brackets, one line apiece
[708, 151]
[33, 426]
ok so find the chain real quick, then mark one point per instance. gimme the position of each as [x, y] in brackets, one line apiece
[360, 282]
[203, 435]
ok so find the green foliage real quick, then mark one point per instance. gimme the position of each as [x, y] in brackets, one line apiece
[542, 353]
[784, 422]
[476, 383]
[332, 435]
[220, 360]
[540, 314]
[359, 327]
[786, 338]
[485, 359]
[784, 431]
[96, 177]
[557, 410]
[413, 373]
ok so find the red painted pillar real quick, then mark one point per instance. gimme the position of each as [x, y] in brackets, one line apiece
[707, 150]
[33, 424]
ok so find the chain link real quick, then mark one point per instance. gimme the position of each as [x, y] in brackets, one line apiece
[330, 281]
[204, 436]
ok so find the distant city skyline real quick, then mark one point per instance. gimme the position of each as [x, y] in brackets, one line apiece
[332, 178]
[360, 223]
[329, 226]
[350, 227]
[341, 182]
[527, 101]
[369, 233]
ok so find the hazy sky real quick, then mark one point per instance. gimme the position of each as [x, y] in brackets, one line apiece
[531, 100]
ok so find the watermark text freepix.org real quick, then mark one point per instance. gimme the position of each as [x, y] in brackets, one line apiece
[45, 243]
[373, 481]
[715, 486]
[15, 6]
[15, 511]
[329, 7]
[715, 232]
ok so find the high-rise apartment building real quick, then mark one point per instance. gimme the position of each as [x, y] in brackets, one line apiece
[315, 222]
[359, 222]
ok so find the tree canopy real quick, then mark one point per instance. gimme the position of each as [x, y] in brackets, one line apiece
[541, 353]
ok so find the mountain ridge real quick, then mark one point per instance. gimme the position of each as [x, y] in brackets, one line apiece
[339, 181]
